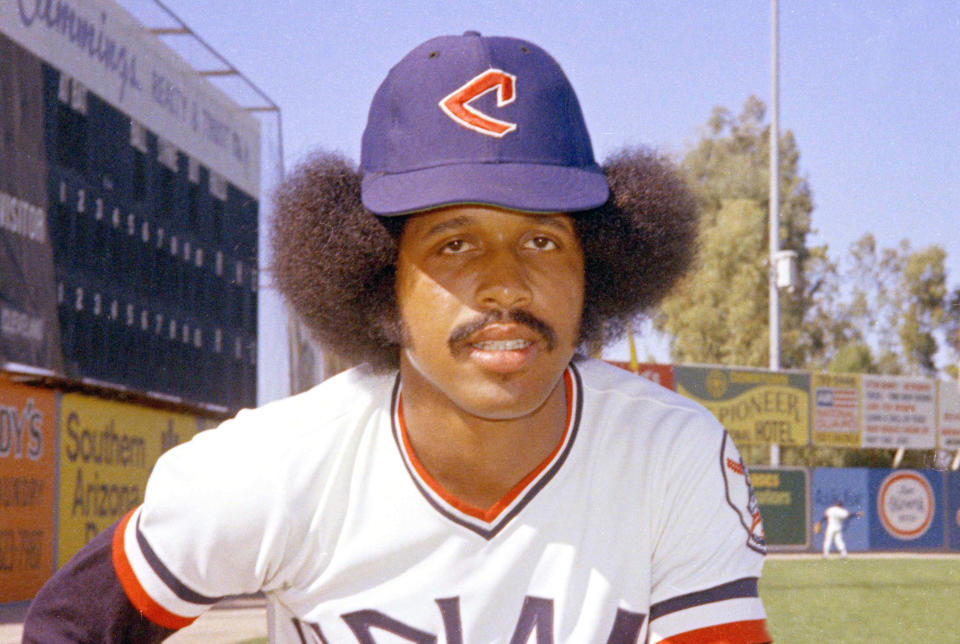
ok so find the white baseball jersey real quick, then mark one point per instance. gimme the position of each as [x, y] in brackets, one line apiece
[836, 515]
[640, 526]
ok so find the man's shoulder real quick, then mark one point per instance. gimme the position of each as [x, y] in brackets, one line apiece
[350, 392]
[613, 384]
[324, 415]
[636, 404]
[294, 436]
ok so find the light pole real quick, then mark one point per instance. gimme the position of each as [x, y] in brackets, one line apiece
[774, 200]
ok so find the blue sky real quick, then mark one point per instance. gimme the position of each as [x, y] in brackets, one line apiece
[871, 90]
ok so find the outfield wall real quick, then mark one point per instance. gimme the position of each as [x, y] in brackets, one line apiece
[901, 509]
[71, 464]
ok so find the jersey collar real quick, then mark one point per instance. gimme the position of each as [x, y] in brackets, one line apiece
[488, 522]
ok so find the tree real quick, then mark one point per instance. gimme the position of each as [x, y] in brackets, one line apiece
[728, 326]
[719, 313]
[952, 331]
[855, 357]
[923, 302]
[879, 310]
[894, 308]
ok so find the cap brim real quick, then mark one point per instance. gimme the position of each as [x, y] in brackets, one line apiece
[516, 186]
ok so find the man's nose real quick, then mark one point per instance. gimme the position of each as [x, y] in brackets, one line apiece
[504, 282]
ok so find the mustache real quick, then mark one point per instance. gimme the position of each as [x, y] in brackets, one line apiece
[541, 328]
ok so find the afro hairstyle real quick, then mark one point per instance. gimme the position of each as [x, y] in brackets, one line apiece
[334, 261]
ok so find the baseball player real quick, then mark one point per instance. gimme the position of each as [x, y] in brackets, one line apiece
[476, 479]
[834, 518]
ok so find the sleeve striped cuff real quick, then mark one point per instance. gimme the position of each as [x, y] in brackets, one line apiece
[731, 613]
[749, 632]
[149, 585]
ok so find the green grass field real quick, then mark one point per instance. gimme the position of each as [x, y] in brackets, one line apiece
[871, 600]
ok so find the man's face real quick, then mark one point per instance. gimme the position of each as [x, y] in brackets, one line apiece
[490, 300]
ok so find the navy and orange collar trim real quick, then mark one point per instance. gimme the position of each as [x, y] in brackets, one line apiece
[488, 522]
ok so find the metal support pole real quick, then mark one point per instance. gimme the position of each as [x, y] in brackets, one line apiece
[774, 199]
[897, 457]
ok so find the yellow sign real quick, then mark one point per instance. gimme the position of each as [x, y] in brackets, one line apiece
[107, 450]
[756, 407]
[837, 409]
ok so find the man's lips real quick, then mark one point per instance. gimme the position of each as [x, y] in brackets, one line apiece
[498, 331]
[503, 345]
[504, 356]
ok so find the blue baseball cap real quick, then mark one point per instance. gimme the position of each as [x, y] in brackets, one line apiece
[478, 120]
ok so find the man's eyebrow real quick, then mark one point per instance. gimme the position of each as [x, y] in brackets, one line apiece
[448, 224]
[557, 221]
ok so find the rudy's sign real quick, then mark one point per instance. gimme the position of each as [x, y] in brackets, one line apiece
[27, 475]
[756, 407]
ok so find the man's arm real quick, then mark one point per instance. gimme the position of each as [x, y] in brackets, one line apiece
[85, 602]
[710, 552]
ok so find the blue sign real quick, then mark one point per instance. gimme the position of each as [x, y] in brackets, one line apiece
[850, 486]
[953, 510]
[907, 509]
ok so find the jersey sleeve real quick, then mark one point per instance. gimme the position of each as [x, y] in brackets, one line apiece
[210, 526]
[709, 549]
[85, 602]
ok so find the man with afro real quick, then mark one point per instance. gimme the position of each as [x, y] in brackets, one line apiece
[476, 478]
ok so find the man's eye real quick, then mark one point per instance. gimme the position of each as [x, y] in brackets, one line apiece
[455, 246]
[541, 243]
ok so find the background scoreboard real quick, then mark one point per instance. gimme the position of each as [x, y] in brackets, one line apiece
[128, 209]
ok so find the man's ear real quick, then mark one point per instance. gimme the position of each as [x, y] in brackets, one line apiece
[392, 328]
[386, 325]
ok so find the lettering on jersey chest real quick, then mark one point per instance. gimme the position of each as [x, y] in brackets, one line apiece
[535, 624]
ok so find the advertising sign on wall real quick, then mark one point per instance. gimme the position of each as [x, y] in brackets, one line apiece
[835, 419]
[850, 486]
[756, 407]
[948, 415]
[28, 423]
[953, 510]
[907, 509]
[899, 412]
[782, 495]
[107, 450]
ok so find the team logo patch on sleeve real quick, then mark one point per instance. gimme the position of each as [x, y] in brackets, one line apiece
[741, 498]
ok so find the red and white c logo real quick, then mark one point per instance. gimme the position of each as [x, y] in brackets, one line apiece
[457, 106]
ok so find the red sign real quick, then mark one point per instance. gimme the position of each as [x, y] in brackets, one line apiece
[28, 423]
